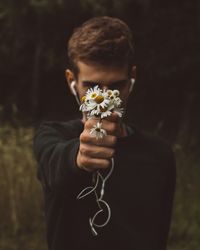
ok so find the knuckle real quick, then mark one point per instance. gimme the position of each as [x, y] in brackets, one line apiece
[85, 150]
[88, 124]
[114, 127]
[82, 149]
[85, 161]
[114, 140]
[106, 163]
[111, 153]
[83, 137]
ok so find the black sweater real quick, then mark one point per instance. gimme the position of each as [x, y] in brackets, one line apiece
[139, 192]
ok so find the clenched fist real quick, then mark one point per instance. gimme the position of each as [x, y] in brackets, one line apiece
[95, 153]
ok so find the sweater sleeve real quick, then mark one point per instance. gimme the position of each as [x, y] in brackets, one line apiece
[56, 149]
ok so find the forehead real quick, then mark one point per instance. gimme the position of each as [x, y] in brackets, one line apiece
[102, 73]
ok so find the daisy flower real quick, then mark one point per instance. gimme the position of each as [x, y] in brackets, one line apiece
[93, 93]
[117, 102]
[116, 93]
[113, 95]
[83, 106]
[97, 131]
[95, 99]
[119, 111]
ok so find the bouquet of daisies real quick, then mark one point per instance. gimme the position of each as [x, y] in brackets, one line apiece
[101, 103]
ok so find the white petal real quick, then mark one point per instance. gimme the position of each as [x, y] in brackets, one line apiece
[105, 114]
[98, 134]
[119, 111]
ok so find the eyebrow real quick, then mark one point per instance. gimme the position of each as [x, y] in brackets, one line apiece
[116, 83]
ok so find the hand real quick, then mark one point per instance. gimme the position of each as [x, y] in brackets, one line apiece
[96, 153]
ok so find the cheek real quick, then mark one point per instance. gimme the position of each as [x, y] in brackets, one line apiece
[81, 91]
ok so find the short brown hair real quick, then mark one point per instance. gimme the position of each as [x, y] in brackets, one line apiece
[101, 40]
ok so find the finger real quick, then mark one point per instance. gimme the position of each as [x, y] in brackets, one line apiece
[112, 128]
[91, 122]
[92, 164]
[106, 141]
[114, 117]
[96, 151]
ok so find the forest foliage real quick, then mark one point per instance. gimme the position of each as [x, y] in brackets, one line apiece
[33, 57]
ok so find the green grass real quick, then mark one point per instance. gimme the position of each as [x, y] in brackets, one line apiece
[21, 202]
[21, 205]
[185, 228]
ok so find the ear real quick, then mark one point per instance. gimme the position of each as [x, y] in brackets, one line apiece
[69, 75]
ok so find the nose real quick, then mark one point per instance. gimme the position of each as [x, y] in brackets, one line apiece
[105, 87]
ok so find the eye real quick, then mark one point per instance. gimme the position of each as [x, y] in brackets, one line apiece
[88, 84]
[117, 86]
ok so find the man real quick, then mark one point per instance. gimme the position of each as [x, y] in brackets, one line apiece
[138, 195]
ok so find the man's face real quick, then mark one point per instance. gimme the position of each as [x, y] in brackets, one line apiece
[106, 77]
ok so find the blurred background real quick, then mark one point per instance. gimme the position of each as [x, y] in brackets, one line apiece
[165, 101]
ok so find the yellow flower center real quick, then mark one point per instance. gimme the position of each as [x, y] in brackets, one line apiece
[99, 99]
[93, 95]
[109, 92]
[83, 98]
